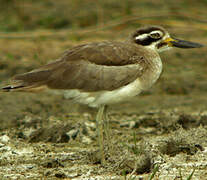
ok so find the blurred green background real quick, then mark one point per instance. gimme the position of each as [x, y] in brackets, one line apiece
[27, 15]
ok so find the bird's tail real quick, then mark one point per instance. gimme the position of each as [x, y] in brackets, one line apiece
[11, 88]
[33, 81]
[30, 82]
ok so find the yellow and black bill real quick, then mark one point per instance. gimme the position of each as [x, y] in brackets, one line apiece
[173, 42]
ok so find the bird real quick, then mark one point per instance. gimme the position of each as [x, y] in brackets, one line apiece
[104, 73]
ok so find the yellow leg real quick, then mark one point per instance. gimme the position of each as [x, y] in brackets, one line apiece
[99, 121]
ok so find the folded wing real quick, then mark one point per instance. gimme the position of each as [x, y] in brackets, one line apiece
[90, 67]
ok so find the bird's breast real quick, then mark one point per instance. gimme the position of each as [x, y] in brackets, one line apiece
[152, 74]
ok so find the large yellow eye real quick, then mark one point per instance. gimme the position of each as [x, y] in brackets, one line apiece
[155, 35]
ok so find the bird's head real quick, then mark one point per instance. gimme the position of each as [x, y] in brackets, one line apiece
[157, 38]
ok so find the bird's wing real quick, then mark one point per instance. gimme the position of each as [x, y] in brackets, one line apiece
[107, 53]
[90, 67]
[92, 77]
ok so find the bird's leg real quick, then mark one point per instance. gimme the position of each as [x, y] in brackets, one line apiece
[107, 127]
[99, 121]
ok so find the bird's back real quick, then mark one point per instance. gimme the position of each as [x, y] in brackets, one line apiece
[89, 67]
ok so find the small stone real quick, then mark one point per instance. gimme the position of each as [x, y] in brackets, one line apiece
[5, 149]
[4, 139]
[47, 172]
[72, 175]
[124, 124]
[86, 115]
[90, 125]
[30, 166]
[2, 145]
[86, 140]
[60, 175]
[131, 124]
[73, 133]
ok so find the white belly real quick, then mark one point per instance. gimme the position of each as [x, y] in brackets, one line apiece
[96, 99]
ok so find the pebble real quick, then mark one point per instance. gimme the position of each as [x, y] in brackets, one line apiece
[90, 125]
[86, 140]
[131, 124]
[2, 145]
[73, 133]
[4, 139]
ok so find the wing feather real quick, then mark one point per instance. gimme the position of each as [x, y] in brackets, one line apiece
[90, 67]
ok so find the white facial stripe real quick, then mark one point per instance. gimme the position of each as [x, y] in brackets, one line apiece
[160, 32]
[141, 37]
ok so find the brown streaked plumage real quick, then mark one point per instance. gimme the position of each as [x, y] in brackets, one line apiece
[102, 73]
[90, 67]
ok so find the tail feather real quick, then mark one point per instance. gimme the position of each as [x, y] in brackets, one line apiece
[32, 81]
[11, 88]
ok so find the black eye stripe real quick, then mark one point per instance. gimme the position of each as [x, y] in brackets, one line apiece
[161, 45]
[147, 41]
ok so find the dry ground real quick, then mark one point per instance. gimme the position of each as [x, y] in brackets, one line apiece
[47, 137]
